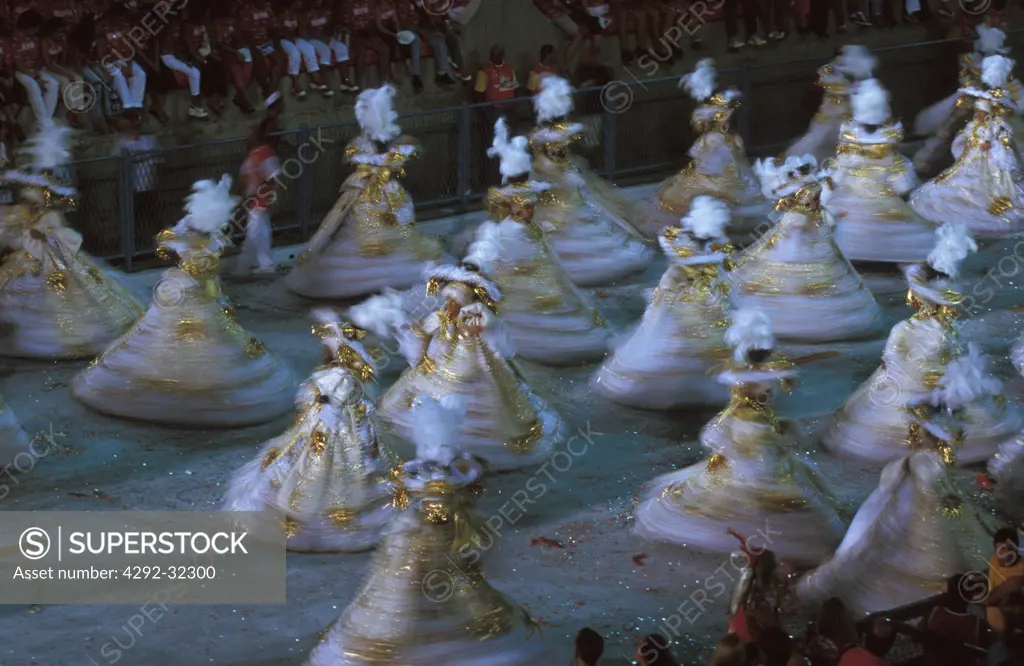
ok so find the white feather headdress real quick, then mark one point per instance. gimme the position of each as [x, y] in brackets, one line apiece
[953, 243]
[707, 219]
[870, 103]
[376, 115]
[337, 384]
[513, 154]
[966, 381]
[990, 40]
[331, 330]
[751, 329]
[780, 179]
[701, 82]
[856, 61]
[996, 71]
[381, 313]
[445, 273]
[208, 209]
[554, 99]
[435, 428]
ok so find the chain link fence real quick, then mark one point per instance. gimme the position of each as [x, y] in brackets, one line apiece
[127, 200]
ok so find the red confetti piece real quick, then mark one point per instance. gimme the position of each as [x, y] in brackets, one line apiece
[545, 541]
[639, 558]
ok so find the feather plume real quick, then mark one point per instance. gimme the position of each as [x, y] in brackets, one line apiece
[990, 40]
[380, 314]
[435, 428]
[954, 242]
[751, 329]
[50, 148]
[856, 61]
[996, 70]
[707, 219]
[554, 99]
[966, 380]
[870, 103]
[376, 115]
[771, 176]
[209, 207]
[513, 154]
[701, 82]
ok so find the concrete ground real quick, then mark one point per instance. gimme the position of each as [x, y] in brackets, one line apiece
[588, 571]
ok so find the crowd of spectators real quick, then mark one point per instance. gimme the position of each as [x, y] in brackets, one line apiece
[976, 619]
[63, 57]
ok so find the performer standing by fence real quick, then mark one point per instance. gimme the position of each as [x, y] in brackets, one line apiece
[257, 179]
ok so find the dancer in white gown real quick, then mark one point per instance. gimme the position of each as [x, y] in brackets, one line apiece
[873, 423]
[854, 63]
[326, 477]
[368, 241]
[461, 349]
[588, 231]
[13, 439]
[984, 188]
[942, 121]
[718, 164]
[546, 317]
[56, 302]
[797, 273]
[666, 361]
[187, 362]
[423, 602]
[873, 222]
[752, 481]
[911, 534]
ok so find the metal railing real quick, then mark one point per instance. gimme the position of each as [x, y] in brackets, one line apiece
[642, 140]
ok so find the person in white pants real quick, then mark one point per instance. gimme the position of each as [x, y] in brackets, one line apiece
[194, 77]
[339, 50]
[302, 52]
[259, 170]
[132, 88]
[43, 93]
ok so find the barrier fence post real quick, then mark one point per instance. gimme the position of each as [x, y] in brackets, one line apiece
[462, 174]
[304, 203]
[609, 133]
[126, 206]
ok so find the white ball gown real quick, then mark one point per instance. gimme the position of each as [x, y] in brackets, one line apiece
[424, 602]
[718, 164]
[872, 425]
[461, 350]
[56, 302]
[665, 362]
[13, 438]
[854, 64]
[187, 362]
[943, 121]
[326, 477]
[911, 534]
[368, 241]
[546, 317]
[984, 188]
[752, 482]
[595, 247]
[798, 274]
[873, 222]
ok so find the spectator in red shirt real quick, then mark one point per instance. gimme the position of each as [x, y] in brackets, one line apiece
[544, 66]
[182, 53]
[54, 54]
[315, 30]
[41, 88]
[362, 24]
[258, 23]
[496, 81]
[299, 51]
[339, 44]
[950, 625]
[235, 57]
[834, 638]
